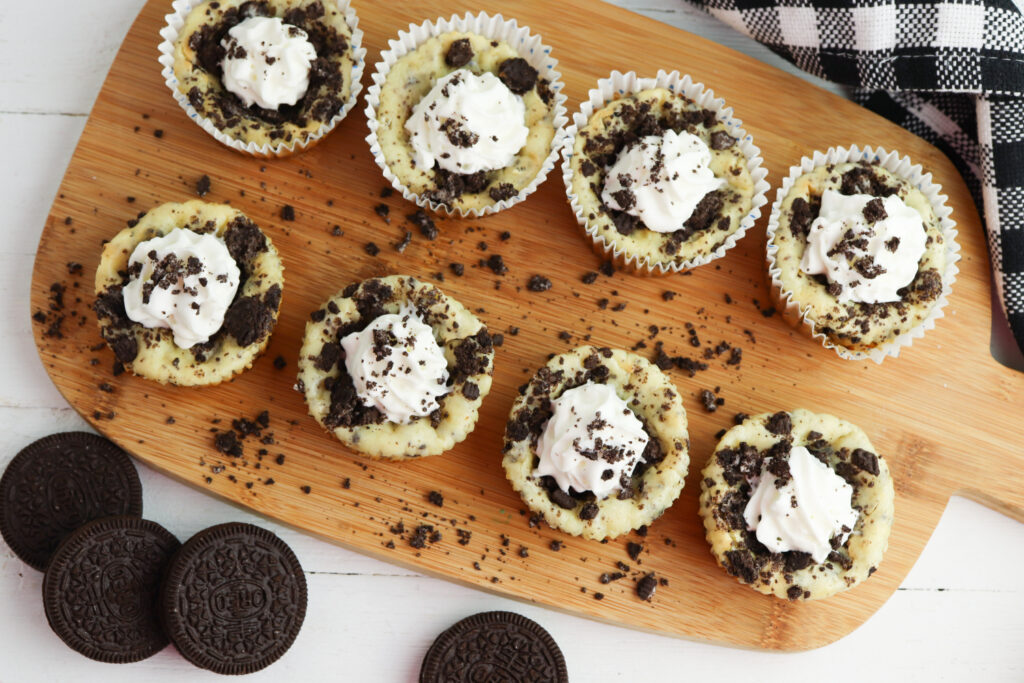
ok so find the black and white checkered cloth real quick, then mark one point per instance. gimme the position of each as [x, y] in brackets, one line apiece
[951, 72]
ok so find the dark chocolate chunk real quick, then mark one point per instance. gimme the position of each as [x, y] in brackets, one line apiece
[874, 211]
[244, 240]
[779, 424]
[57, 484]
[721, 140]
[459, 53]
[245, 587]
[503, 191]
[494, 646]
[865, 461]
[518, 75]
[589, 511]
[100, 590]
[249, 320]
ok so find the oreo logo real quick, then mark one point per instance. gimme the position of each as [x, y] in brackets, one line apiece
[238, 600]
[123, 593]
[67, 500]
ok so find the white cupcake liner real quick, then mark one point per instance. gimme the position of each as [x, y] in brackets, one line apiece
[169, 33]
[902, 167]
[619, 84]
[526, 44]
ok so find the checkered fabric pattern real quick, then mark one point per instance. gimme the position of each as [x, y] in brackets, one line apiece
[951, 72]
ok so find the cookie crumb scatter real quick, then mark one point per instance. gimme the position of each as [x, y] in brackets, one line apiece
[406, 239]
[646, 586]
[538, 283]
[496, 263]
[203, 186]
[709, 401]
[436, 498]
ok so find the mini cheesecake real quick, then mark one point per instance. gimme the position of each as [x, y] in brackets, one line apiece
[612, 206]
[250, 315]
[507, 113]
[392, 407]
[777, 470]
[204, 44]
[637, 468]
[841, 297]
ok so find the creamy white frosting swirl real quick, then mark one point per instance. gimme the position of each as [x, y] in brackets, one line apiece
[661, 179]
[803, 514]
[870, 260]
[397, 366]
[592, 441]
[183, 281]
[267, 61]
[467, 123]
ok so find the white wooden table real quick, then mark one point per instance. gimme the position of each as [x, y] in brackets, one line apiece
[958, 616]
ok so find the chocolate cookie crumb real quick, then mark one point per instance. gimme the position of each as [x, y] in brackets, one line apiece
[280, 363]
[633, 550]
[555, 545]
[646, 586]
[203, 186]
[371, 249]
[459, 53]
[779, 424]
[436, 498]
[287, 212]
[424, 222]
[538, 283]
[518, 75]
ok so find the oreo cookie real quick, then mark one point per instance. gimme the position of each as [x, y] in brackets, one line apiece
[57, 484]
[100, 590]
[234, 599]
[498, 647]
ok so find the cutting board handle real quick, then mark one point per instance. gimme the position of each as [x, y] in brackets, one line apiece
[999, 483]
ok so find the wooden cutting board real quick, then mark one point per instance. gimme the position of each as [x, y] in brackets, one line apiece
[945, 414]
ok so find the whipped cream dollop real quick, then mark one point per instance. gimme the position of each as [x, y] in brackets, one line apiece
[868, 247]
[184, 281]
[267, 62]
[467, 123]
[661, 179]
[592, 442]
[397, 366]
[803, 512]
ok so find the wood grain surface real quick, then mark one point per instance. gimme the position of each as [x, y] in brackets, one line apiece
[945, 414]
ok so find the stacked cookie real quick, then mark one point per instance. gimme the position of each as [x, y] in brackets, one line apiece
[117, 587]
